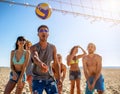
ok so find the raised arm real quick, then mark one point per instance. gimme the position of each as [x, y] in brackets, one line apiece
[81, 55]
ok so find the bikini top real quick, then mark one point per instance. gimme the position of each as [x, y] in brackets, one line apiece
[74, 61]
[22, 59]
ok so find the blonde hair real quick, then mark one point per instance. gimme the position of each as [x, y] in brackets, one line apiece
[28, 44]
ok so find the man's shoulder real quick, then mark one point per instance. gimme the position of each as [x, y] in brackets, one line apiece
[85, 57]
[35, 44]
[50, 44]
[33, 47]
[98, 56]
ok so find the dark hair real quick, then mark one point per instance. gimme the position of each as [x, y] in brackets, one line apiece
[45, 26]
[71, 51]
[19, 38]
[74, 58]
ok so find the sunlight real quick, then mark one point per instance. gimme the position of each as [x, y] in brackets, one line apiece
[112, 5]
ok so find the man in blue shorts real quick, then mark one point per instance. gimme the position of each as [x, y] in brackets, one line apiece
[92, 65]
[43, 54]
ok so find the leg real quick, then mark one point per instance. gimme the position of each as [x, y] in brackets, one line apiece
[100, 92]
[72, 86]
[87, 91]
[100, 85]
[78, 86]
[30, 87]
[19, 90]
[38, 86]
[59, 88]
[9, 87]
[29, 80]
[51, 87]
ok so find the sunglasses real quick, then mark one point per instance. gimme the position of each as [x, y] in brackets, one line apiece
[43, 30]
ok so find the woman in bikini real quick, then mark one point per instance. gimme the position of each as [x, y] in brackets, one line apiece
[18, 62]
[74, 73]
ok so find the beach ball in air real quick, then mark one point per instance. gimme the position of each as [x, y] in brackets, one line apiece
[43, 10]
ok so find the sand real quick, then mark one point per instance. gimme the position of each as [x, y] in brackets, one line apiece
[111, 75]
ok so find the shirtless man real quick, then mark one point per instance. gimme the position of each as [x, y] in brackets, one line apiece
[62, 72]
[92, 65]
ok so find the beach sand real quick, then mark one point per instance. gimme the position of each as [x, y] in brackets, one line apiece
[111, 75]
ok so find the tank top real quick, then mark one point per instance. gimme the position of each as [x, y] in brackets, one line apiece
[22, 59]
[46, 56]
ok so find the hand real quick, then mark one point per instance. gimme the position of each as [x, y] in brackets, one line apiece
[79, 46]
[89, 86]
[15, 76]
[20, 84]
[59, 82]
[44, 67]
[92, 86]
[29, 78]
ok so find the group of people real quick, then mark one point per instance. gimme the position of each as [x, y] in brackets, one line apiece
[45, 70]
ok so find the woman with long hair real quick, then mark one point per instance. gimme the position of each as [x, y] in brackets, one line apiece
[18, 62]
[74, 72]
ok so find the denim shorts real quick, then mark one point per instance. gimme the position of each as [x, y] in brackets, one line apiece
[48, 85]
[73, 75]
[18, 74]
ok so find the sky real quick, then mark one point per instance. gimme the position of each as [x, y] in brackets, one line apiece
[66, 30]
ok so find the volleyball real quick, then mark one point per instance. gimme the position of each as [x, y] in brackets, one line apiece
[43, 10]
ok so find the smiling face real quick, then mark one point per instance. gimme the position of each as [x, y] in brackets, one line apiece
[43, 34]
[20, 42]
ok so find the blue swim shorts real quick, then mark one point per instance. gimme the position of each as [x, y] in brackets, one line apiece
[49, 86]
[100, 85]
